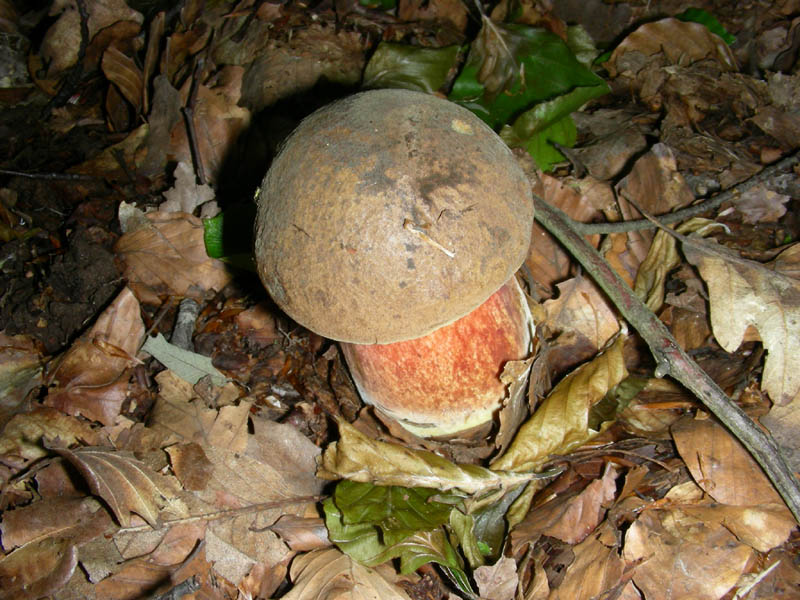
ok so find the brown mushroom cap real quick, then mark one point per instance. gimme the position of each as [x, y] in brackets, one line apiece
[389, 214]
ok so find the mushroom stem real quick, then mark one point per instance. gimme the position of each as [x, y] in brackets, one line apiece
[449, 380]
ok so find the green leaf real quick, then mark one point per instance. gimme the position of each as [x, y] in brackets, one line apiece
[397, 511]
[360, 458]
[364, 543]
[409, 67]
[463, 527]
[378, 4]
[539, 142]
[699, 15]
[512, 67]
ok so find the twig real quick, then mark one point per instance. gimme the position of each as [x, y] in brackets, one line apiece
[191, 131]
[671, 358]
[694, 210]
[67, 176]
[222, 514]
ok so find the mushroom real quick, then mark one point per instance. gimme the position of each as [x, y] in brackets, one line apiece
[393, 222]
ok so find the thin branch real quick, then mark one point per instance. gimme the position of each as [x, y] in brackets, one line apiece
[671, 359]
[694, 210]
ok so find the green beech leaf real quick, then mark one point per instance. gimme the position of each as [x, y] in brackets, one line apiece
[409, 67]
[397, 511]
[528, 81]
[512, 67]
[365, 543]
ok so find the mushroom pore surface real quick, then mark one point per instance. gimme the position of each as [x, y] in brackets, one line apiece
[388, 215]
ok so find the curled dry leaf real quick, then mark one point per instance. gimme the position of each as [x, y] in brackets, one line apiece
[37, 569]
[169, 258]
[561, 423]
[570, 520]
[92, 377]
[123, 72]
[681, 42]
[126, 484]
[744, 293]
[331, 575]
[595, 570]
[581, 307]
[302, 534]
[360, 458]
[186, 195]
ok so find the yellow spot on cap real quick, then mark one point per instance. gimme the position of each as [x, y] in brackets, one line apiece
[461, 126]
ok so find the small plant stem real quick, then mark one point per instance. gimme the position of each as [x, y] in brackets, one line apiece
[671, 358]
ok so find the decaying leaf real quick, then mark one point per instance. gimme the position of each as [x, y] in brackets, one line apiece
[683, 557]
[92, 377]
[499, 581]
[561, 423]
[37, 569]
[570, 520]
[680, 41]
[596, 569]
[126, 484]
[331, 575]
[359, 458]
[169, 257]
[745, 293]
[721, 465]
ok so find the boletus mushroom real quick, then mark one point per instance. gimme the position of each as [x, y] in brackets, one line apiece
[393, 222]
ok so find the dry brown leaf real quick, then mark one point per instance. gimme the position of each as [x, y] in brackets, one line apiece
[762, 527]
[331, 575]
[218, 122]
[190, 465]
[681, 556]
[126, 484]
[760, 205]
[169, 258]
[582, 307]
[91, 379]
[721, 465]
[615, 136]
[656, 186]
[123, 72]
[302, 534]
[596, 569]
[186, 195]
[570, 520]
[22, 436]
[498, 581]
[681, 42]
[75, 519]
[37, 569]
[547, 261]
[744, 293]
[61, 42]
[20, 372]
